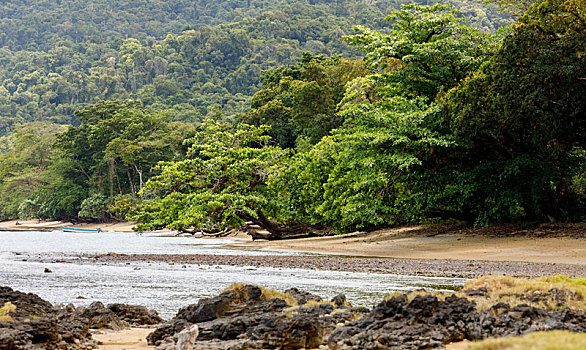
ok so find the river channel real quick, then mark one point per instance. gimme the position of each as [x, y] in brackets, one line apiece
[165, 287]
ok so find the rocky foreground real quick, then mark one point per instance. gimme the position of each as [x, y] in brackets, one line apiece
[251, 317]
[29, 322]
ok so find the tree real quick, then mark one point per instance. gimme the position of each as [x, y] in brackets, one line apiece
[521, 118]
[222, 185]
[429, 48]
[380, 167]
[299, 102]
[24, 165]
[117, 146]
[371, 172]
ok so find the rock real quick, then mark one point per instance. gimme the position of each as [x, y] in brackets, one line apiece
[427, 322]
[36, 324]
[99, 316]
[482, 291]
[186, 338]
[302, 297]
[135, 315]
[47, 270]
[13, 338]
[27, 305]
[340, 300]
[242, 318]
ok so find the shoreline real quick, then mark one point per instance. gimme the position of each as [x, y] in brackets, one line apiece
[549, 244]
[462, 251]
[30, 225]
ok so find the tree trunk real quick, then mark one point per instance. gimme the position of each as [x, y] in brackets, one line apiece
[277, 231]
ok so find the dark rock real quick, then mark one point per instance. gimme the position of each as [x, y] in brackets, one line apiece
[135, 315]
[340, 300]
[27, 305]
[99, 316]
[427, 322]
[12, 339]
[302, 297]
[36, 324]
[166, 330]
[299, 331]
[482, 291]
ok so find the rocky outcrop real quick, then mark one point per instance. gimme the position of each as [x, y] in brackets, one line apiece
[427, 322]
[244, 318]
[34, 323]
[135, 314]
[250, 317]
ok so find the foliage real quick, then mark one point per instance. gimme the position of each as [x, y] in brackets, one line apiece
[439, 119]
[95, 206]
[362, 175]
[556, 292]
[429, 48]
[122, 207]
[521, 119]
[267, 294]
[49, 172]
[299, 102]
[118, 144]
[23, 166]
[547, 340]
[378, 168]
[5, 311]
[185, 57]
[221, 184]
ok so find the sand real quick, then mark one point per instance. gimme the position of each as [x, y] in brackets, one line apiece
[561, 245]
[126, 339]
[415, 243]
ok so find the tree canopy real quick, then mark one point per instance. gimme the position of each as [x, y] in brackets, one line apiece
[191, 58]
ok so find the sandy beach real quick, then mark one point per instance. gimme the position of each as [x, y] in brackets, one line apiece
[552, 245]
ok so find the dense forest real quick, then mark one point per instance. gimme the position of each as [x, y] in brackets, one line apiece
[298, 117]
[189, 58]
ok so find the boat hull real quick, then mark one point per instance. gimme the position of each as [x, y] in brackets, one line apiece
[79, 230]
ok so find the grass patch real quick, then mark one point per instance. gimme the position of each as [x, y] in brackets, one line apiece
[5, 312]
[555, 340]
[550, 293]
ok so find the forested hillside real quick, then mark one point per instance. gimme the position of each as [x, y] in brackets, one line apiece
[192, 58]
[298, 117]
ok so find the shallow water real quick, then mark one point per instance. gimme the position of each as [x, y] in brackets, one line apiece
[165, 287]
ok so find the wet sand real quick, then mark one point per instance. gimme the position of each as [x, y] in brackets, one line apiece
[431, 250]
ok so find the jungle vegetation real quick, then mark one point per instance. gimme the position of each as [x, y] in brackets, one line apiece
[419, 116]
